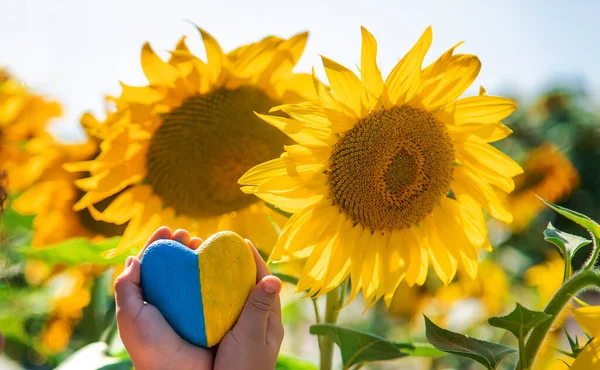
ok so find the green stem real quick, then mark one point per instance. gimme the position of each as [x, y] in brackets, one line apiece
[579, 281]
[331, 314]
[568, 269]
[316, 307]
[596, 250]
[523, 352]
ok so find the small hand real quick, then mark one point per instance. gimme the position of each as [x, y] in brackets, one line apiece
[252, 344]
[255, 340]
[150, 341]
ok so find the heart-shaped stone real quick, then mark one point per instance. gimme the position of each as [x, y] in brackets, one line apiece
[200, 292]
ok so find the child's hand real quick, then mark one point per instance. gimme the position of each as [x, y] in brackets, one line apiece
[252, 344]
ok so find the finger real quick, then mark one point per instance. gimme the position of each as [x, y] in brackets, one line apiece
[195, 242]
[162, 232]
[1, 343]
[261, 267]
[256, 312]
[128, 293]
[275, 330]
[182, 236]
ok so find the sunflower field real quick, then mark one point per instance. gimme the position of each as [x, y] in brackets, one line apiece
[413, 224]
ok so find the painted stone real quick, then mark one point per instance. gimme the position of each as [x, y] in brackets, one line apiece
[200, 292]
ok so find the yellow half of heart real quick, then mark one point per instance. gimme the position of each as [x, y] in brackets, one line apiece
[227, 276]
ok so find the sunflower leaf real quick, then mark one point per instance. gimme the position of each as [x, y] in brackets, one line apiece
[567, 244]
[486, 353]
[420, 349]
[520, 321]
[285, 362]
[13, 221]
[582, 220]
[76, 250]
[357, 346]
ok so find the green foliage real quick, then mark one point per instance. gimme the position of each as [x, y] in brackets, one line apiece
[285, 362]
[121, 365]
[76, 250]
[582, 220]
[567, 244]
[14, 221]
[358, 347]
[486, 353]
[520, 321]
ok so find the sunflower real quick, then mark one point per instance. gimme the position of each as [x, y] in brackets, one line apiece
[176, 147]
[24, 119]
[71, 294]
[549, 175]
[52, 197]
[490, 292]
[490, 289]
[588, 318]
[387, 177]
[50, 200]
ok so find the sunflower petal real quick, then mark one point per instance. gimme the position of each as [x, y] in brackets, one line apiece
[121, 209]
[346, 86]
[369, 71]
[215, 59]
[482, 109]
[403, 81]
[303, 133]
[140, 94]
[468, 183]
[491, 157]
[451, 83]
[156, 70]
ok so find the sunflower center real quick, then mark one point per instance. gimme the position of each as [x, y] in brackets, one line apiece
[204, 146]
[390, 170]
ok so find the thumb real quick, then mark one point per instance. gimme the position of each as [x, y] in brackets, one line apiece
[258, 307]
[128, 293]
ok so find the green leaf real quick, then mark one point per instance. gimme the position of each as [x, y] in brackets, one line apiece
[486, 353]
[12, 220]
[13, 325]
[358, 347]
[285, 362]
[578, 218]
[567, 244]
[76, 250]
[286, 278]
[520, 321]
[121, 365]
[419, 349]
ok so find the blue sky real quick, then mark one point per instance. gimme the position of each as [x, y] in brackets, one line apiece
[77, 51]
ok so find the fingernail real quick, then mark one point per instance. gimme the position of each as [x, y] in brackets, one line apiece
[271, 286]
[128, 261]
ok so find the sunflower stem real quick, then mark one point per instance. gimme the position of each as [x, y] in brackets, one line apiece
[570, 288]
[332, 308]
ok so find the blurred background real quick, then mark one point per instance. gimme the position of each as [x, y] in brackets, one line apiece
[541, 54]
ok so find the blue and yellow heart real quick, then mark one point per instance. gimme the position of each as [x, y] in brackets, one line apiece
[200, 292]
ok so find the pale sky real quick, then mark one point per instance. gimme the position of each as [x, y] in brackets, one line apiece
[77, 51]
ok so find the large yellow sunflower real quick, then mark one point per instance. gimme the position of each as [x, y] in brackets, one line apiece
[387, 177]
[53, 195]
[177, 147]
[24, 119]
[50, 200]
[549, 175]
